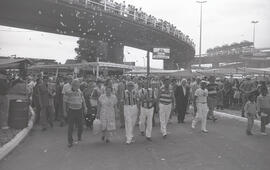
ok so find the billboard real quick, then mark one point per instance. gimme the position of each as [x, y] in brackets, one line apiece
[161, 53]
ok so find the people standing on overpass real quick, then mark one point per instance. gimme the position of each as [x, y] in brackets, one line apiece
[200, 106]
[165, 106]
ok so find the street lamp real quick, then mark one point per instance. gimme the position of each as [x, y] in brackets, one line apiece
[254, 23]
[200, 47]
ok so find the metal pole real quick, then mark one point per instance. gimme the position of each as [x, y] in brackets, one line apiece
[97, 67]
[254, 23]
[148, 68]
[200, 46]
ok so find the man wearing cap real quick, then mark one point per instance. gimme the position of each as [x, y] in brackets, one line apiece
[200, 106]
[165, 106]
[75, 108]
[147, 97]
[130, 111]
[246, 87]
[3, 102]
[66, 88]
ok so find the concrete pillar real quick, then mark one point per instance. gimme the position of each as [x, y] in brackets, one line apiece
[115, 52]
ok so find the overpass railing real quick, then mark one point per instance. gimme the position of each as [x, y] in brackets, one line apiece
[134, 14]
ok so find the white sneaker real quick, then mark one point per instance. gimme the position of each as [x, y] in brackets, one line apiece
[264, 133]
[205, 131]
[193, 126]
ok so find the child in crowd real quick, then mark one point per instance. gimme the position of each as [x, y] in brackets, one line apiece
[251, 110]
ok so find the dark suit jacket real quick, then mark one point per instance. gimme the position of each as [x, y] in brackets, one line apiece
[181, 100]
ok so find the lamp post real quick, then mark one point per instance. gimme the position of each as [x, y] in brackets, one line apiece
[200, 47]
[254, 23]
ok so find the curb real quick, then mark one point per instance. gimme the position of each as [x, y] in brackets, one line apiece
[239, 118]
[8, 147]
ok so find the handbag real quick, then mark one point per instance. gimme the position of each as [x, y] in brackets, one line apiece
[97, 126]
[190, 109]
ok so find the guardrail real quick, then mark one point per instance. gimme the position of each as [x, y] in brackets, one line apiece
[136, 15]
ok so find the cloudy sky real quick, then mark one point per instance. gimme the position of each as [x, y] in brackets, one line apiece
[224, 22]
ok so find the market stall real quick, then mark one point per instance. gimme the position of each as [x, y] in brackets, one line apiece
[16, 104]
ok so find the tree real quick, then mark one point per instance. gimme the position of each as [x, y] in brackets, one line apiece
[89, 50]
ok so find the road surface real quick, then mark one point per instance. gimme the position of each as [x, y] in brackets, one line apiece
[225, 147]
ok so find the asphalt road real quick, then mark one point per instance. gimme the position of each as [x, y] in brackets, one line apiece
[225, 147]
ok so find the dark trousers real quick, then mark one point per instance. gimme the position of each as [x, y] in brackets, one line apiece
[181, 113]
[74, 117]
[265, 119]
[46, 116]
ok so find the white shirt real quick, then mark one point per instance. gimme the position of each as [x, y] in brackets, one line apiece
[201, 95]
[66, 89]
[184, 90]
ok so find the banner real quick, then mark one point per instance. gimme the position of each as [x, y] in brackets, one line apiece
[161, 53]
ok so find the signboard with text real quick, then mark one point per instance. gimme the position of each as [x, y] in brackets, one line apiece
[161, 53]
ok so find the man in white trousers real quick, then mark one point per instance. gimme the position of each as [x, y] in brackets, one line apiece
[147, 97]
[165, 104]
[200, 106]
[130, 111]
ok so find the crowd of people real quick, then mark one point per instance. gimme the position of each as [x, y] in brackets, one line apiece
[136, 14]
[136, 100]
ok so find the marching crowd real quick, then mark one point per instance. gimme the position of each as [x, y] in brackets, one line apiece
[135, 100]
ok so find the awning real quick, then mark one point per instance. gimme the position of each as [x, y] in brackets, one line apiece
[12, 63]
[87, 65]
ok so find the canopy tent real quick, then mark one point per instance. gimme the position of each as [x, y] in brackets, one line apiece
[221, 71]
[13, 63]
[89, 65]
[257, 70]
[159, 72]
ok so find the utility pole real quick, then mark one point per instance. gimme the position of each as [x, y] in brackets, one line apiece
[201, 12]
[254, 23]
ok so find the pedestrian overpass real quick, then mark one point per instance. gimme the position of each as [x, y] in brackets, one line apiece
[88, 19]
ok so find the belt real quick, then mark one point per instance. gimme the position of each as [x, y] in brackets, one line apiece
[202, 102]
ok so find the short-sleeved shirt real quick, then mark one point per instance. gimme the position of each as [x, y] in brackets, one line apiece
[165, 96]
[212, 89]
[131, 98]
[75, 99]
[65, 90]
[201, 95]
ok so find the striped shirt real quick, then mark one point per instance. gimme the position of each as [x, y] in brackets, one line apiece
[131, 98]
[212, 89]
[75, 99]
[147, 97]
[165, 96]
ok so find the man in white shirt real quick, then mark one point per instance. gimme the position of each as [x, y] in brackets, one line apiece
[66, 89]
[200, 106]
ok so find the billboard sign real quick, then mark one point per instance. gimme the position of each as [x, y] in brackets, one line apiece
[161, 53]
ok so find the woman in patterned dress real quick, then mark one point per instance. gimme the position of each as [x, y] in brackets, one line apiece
[107, 105]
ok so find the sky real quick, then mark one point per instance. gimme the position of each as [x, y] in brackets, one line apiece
[224, 22]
